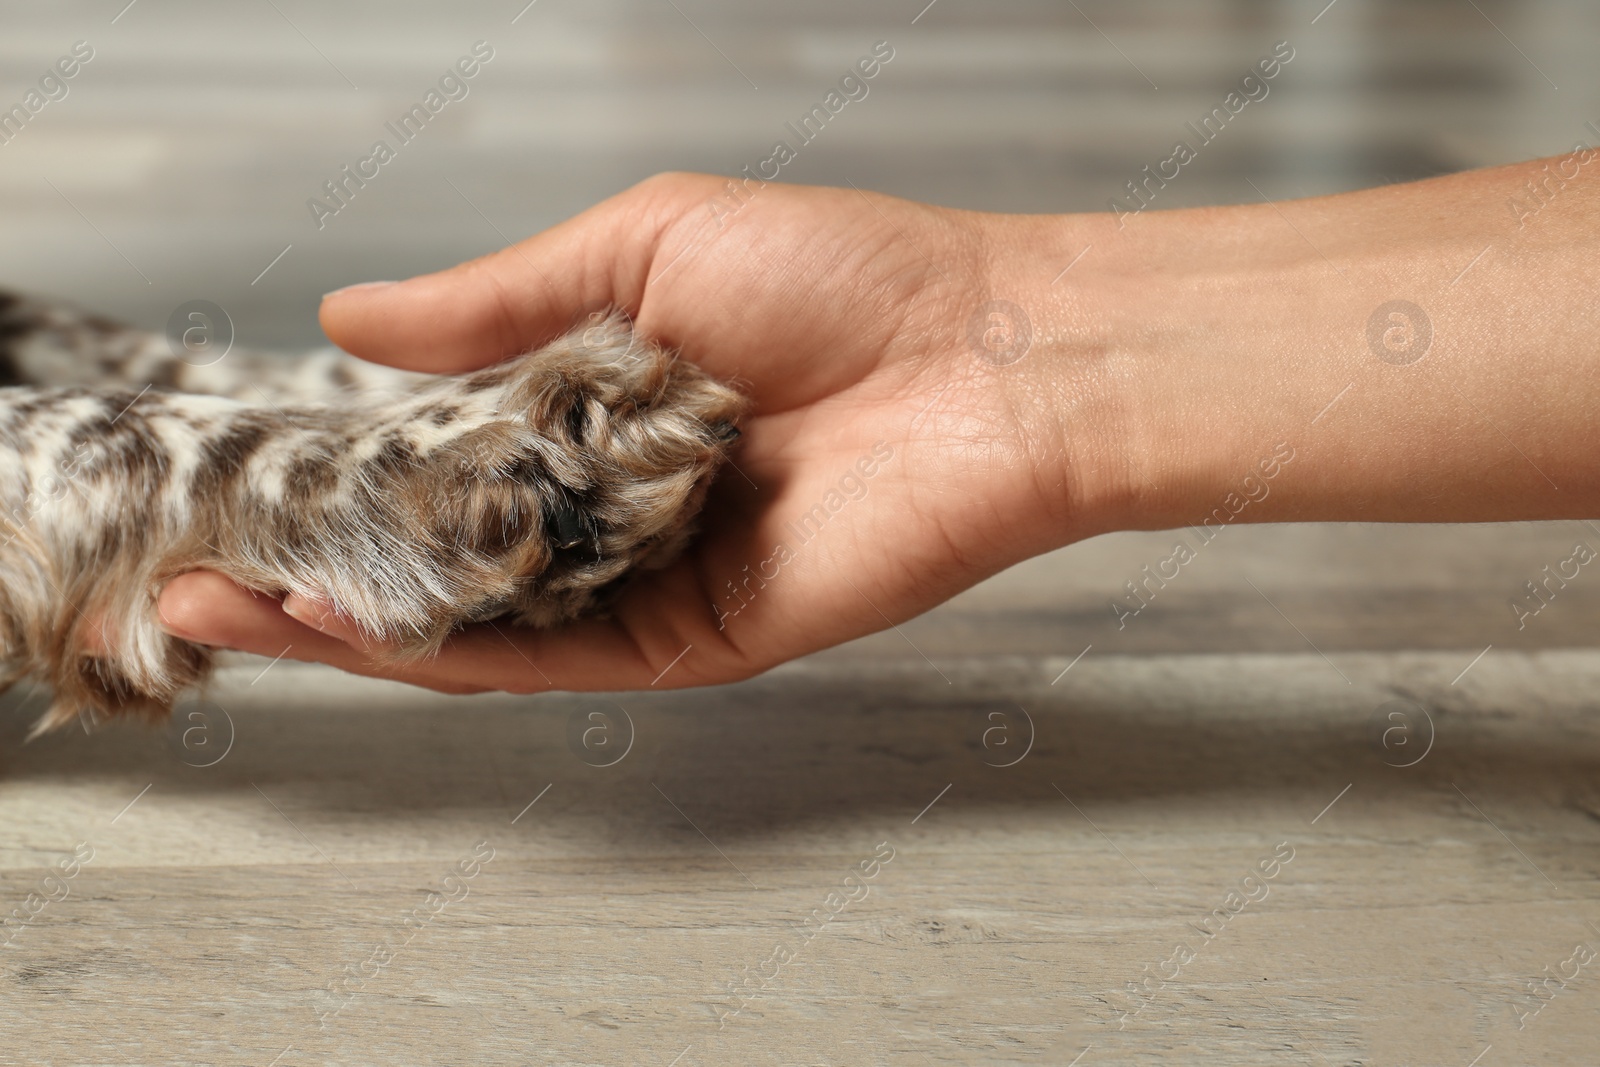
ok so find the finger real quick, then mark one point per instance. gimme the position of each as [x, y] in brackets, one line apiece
[512, 300]
[587, 656]
[494, 655]
[645, 645]
[208, 609]
[325, 618]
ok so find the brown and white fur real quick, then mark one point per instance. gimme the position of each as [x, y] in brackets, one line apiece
[413, 504]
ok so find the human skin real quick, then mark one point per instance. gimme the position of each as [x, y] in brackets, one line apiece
[1176, 352]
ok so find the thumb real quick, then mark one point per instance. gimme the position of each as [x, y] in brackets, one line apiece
[512, 300]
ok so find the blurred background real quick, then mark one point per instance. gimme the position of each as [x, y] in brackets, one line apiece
[235, 884]
[180, 163]
[189, 145]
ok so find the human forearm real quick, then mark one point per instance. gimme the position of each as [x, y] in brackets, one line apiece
[1228, 332]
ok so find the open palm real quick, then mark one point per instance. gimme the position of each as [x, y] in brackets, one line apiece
[884, 468]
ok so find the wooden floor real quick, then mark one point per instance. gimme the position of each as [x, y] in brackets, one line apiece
[1323, 802]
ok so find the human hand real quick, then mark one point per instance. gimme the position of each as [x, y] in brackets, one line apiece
[886, 466]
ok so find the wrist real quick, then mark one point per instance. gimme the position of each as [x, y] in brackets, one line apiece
[1071, 374]
[1419, 356]
[1182, 359]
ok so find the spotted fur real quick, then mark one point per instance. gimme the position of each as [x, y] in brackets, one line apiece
[414, 504]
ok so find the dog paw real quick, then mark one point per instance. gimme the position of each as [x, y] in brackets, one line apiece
[527, 491]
